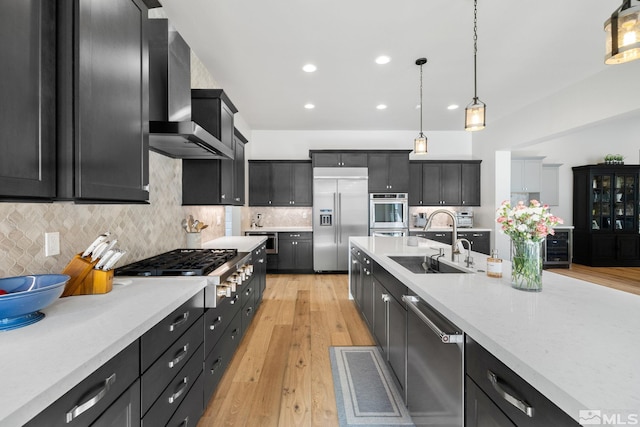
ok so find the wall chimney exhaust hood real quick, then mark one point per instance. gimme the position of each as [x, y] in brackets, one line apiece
[171, 130]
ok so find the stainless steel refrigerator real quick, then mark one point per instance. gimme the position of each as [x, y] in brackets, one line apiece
[340, 210]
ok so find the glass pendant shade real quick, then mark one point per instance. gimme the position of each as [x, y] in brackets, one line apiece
[420, 144]
[627, 45]
[474, 115]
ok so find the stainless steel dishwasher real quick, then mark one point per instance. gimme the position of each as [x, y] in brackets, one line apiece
[435, 374]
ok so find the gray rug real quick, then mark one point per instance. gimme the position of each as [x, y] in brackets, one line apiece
[365, 392]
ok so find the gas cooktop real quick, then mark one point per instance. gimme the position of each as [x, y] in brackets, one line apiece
[180, 262]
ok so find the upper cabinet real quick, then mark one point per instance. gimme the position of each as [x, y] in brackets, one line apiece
[213, 110]
[74, 104]
[103, 136]
[27, 103]
[332, 158]
[388, 171]
[280, 183]
[215, 182]
[444, 183]
[526, 175]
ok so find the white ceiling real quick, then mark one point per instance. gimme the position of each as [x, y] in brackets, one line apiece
[255, 50]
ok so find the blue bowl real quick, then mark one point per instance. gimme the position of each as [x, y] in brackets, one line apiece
[26, 295]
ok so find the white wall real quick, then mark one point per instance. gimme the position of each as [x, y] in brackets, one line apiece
[293, 144]
[578, 125]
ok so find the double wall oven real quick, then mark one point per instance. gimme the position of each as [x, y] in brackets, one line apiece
[388, 214]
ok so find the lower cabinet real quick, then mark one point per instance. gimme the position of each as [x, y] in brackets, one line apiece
[295, 252]
[124, 412]
[93, 398]
[497, 396]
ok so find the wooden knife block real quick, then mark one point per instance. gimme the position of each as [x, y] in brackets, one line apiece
[85, 280]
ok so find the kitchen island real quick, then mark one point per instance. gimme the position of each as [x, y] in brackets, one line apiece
[575, 342]
[79, 334]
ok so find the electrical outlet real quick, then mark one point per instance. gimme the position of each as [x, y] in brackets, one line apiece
[304, 215]
[52, 243]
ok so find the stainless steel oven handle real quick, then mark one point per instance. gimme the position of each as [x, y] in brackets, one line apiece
[444, 337]
[518, 403]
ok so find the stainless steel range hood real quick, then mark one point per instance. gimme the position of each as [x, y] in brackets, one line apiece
[171, 130]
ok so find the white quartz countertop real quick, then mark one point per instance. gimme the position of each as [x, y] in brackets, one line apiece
[78, 334]
[575, 342]
[279, 229]
[460, 229]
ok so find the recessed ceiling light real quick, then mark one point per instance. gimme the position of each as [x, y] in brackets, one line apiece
[309, 106]
[309, 68]
[381, 107]
[382, 60]
[453, 107]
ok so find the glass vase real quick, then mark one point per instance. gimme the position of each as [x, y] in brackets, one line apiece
[526, 265]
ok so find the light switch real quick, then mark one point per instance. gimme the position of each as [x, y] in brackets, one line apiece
[52, 243]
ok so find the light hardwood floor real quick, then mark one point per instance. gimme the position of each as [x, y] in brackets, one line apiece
[281, 373]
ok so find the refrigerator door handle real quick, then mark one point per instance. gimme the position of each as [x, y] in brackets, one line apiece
[340, 218]
[335, 227]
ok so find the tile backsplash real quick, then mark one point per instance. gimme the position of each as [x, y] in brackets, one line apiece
[277, 216]
[141, 230]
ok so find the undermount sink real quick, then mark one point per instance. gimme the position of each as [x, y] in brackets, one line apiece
[416, 264]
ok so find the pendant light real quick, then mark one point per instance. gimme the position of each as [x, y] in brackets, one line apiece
[474, 114]
[420, 143]
[623, 33]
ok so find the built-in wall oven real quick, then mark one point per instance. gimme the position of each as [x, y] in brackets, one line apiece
[388, 211]
[272, 239]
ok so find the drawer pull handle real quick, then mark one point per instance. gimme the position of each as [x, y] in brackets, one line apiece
[185, 422]
[91, 402]
[385, 297]
[520, 404]
[179, 322]
[218, 320]
[216, 365]
[177, 394]
[179, 357]
[233, 334]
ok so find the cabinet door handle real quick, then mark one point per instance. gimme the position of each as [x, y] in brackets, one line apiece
[177, 394]
[518, 403]
[179, 322]
[185, 422]
[233, 301]
[385, 298]
[216, 365]
[92, 401]
[180, 357]
[213, 324]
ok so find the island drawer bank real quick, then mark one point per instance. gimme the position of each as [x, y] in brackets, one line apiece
[551, 340]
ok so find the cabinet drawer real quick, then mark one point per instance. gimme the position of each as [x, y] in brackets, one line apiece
[168, 330]
[218, 360]
[156, 378]
[217, 320]
[390, 283]
[247, 291]
[295, 235]
[191, 409]
[482, 365]
[86, 401]
[174, 394]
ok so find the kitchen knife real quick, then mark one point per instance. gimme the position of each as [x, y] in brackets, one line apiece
[99, 251]
[101, 238]
[104, 258]
[110, 246]
[113, 259]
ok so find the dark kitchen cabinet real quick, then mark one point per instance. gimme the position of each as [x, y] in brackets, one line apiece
[388, 171]
[102, 101]
[445, 183]
[213, 110]
[497, 396]
[438, 236]
[480, 240]
[280, 183]
[27, 104]
[295, 252]
[606, 215]
[215, 181]
[117, 377]
[331, 158]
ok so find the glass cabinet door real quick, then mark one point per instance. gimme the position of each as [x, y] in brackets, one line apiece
[601, 203]
[624, 203]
